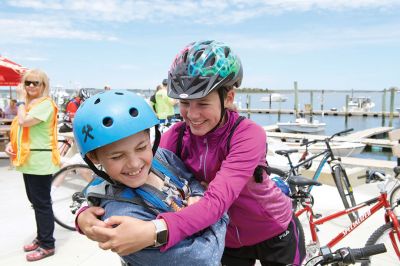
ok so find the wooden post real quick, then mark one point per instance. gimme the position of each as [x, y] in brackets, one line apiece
[322, 101]
[296, 99]
[392, 93]
[346, 108]
[248, 105]
[383, 107]
[311, 105]
[384, 102]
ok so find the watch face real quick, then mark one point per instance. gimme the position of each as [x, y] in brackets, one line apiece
[162, 237]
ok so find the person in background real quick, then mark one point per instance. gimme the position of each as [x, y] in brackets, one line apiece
[134, 182]
[71, 108]
[153, 98]
[164, 105]
[11, 109]
[226, 153]
[10, 112]
[107, 87]
[33, 148]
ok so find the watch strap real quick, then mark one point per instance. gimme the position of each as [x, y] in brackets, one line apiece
[161, 232]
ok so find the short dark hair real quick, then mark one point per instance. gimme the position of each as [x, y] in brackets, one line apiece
[165, 82]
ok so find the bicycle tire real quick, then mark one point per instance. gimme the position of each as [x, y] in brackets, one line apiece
[394, 197]
[67, 197]
[345, 190]
[381, 235]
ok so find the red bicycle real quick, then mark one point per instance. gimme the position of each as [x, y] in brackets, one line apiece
[388, 233]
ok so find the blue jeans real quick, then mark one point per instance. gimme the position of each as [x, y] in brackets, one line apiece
[37, 189]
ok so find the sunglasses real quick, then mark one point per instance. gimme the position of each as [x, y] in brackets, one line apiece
[34, 83]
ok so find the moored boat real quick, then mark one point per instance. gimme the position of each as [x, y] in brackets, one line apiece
[301, 125]
[274, 97]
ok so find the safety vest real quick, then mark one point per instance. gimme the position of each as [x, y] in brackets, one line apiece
[19, 138]
[147, 196]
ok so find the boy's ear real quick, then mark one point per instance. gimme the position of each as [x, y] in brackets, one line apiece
[92, 156]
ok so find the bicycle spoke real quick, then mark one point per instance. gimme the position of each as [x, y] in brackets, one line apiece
[67, 186]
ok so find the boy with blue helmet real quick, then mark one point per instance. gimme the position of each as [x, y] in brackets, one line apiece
[133, 183]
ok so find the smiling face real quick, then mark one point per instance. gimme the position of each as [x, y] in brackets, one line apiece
[34, 86]
[128, 160]
[202, 115]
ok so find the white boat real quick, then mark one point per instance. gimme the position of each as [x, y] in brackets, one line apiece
[359, 104]
[301, 125]
[274, 97]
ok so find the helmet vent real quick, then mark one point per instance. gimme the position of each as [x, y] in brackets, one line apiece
[108, 121]
[210, 61]
[97, 101]
[185, 56]
[227, 51]
[119, 93]
[133, 112]
[197, 55]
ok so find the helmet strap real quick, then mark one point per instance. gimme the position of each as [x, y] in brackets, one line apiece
[98, 172]
[156, 139]
[223, 109]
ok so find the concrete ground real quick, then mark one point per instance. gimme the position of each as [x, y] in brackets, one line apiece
[18, 226]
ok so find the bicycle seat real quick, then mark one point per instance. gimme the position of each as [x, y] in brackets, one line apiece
[302, 181]
[286, 152]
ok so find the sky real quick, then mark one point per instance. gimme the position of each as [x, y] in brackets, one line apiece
[321, 44]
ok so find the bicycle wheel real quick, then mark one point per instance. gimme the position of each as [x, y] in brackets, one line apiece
[66, 193]
[345, 190]
[394, 197]
[381, 235]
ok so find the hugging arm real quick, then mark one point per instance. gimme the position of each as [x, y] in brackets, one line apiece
[203, 248]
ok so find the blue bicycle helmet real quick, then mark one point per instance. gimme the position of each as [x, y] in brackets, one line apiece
[110, 116]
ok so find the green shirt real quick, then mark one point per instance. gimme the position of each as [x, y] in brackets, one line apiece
[40, 162]
[164, 105]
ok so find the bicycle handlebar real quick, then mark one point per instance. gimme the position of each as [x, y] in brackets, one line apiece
[307, 143]
[341, 132]
[347, 256]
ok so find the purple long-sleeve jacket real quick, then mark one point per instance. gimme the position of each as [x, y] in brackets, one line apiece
[257, 211]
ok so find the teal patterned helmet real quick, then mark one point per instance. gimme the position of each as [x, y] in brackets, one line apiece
[202, 67]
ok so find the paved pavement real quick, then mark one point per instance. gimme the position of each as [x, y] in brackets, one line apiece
[18, 226]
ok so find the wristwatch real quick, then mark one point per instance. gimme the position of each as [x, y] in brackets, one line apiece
[161, 232]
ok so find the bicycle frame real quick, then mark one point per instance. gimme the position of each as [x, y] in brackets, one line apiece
[380, 201]
[326, 155]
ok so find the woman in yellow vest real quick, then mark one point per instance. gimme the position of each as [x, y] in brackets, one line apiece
[33, 149]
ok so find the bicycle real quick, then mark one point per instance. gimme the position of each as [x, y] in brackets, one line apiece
[394, 195]
[390, 228]
[337, 170]
[346, 256]
[67, 193]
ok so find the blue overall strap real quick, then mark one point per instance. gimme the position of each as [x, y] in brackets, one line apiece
[151, 198]
[163, 169]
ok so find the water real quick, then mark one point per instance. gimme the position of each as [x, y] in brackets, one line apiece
[333, 123]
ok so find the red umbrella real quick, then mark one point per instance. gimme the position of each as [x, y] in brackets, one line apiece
[10, 72]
